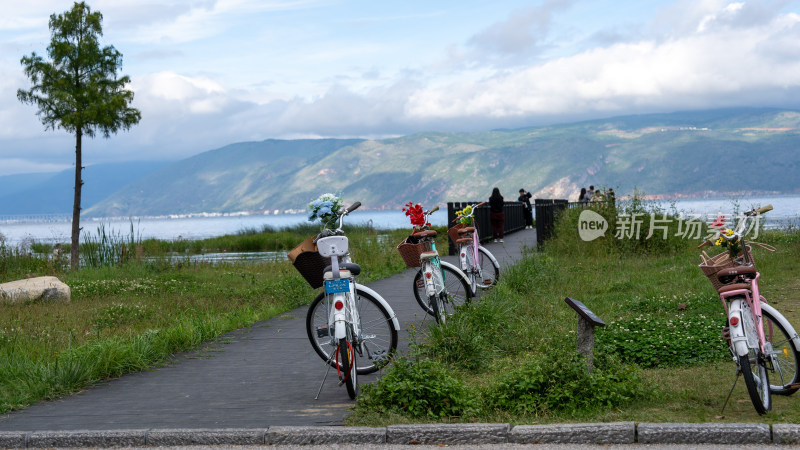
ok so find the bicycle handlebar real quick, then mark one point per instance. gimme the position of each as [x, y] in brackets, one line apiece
[352, 207]
[432, 210]
[759, 211]
[738, 234]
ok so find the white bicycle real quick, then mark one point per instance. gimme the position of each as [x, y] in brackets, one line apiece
[477, 262]
[439, 286]
[350, 326]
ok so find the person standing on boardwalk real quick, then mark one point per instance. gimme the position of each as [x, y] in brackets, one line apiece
[496, 214]
[582, 197]
[525, 199]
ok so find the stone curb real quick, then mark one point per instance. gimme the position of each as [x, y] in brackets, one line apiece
[579, 433]
[225, 436]
[87, 438]
[443, 434]
[324, 435]
[785, 434]
[448, 434]
[705, 433]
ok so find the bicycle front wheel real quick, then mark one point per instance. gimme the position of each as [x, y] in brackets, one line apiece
[753, 365]
[456, 291]
[375, 343]
[754, 372]
[784, 356]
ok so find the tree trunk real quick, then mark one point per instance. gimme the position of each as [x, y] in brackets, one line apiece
[76, 205]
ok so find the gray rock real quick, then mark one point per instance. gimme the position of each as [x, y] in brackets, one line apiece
[87, 438]
[287, 435]
[49, 289]
[448, 434]
[578, 433]
[224, 436]
[704, 433]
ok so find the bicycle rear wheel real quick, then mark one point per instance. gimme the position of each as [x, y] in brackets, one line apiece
[784, 356]
[489, 269]
[348, 367]
[376, 343]
[456, 291]
[753, 365]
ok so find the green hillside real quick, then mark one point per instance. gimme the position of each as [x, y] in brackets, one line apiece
[721, 151]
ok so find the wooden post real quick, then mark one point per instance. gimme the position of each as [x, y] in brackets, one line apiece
[587, 320]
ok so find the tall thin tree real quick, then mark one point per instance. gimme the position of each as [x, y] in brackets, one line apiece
[78, 90]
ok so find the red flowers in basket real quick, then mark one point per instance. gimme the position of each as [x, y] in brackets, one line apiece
[416, 215]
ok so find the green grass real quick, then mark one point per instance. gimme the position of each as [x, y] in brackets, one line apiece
[512, 357]
[131, 312]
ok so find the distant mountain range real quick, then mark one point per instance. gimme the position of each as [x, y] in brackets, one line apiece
[53, 193]
[679, 154]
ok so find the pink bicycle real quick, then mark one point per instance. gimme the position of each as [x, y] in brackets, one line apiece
[763, 344]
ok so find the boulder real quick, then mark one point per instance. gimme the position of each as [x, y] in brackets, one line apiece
[48, 289]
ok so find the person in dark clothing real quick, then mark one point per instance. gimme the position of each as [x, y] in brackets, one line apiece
[582, 198]
[496, 214]
[525, 199]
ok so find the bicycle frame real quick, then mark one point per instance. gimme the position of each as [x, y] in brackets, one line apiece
[736, 324]
[342, 311]
[474, 271]
[434, 276]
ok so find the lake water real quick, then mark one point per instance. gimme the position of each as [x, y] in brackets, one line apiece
[787, 208]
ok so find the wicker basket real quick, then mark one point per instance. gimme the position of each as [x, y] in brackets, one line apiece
[410, 250]
[721, 261]
[453, 232]
[307, 260]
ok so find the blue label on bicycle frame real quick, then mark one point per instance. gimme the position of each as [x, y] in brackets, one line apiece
[336, 286]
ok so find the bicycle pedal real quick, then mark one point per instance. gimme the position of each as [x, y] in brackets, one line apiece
[726, 333]
[323, 332]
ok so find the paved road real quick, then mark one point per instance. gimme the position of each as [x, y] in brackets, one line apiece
[255, 377]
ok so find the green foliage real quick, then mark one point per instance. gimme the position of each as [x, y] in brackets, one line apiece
[635, 226]
[419, 389]
[540, 384]
[78, 89]
[668, 332]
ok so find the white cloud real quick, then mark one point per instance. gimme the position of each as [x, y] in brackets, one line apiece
[696, 70]
[10, 166]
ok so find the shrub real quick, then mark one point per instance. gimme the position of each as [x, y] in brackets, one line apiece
[422, 388]
[559, 381]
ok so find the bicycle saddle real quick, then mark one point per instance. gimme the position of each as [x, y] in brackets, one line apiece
[466, 230]
[354, 268]
[464, 241]
[733, 287]
[423, 234]
[731, 273]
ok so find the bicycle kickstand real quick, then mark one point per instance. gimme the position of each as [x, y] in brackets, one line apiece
[738, 372]
[328, 363]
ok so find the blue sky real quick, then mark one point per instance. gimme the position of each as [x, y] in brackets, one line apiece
[207, 73]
